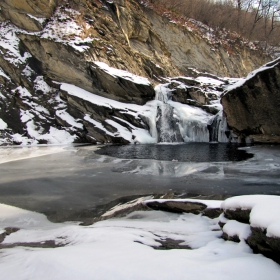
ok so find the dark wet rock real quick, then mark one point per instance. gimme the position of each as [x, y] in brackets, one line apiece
[210, 109]
[252, 109]
[233, 238]
[188, 91]
[268, 246]
[177, 206]
[240, 215]
[258, 239]
[212, 213]
[185, 207]
[221, 224]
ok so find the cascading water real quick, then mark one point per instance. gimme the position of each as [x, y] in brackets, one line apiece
[166, 121]
[218, 128]
[177, 122]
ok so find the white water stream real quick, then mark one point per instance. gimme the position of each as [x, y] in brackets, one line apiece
[176, 122]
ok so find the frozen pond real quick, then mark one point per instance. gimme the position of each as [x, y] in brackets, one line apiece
[187, 152]
[64, 182]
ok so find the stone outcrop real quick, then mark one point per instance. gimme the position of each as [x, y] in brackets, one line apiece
[183, 207]
[25, 13]
[259, 242]
[252, 108]
[189, 51]
[189, 91]
[50, 42]
[133, 37]
[255, 235]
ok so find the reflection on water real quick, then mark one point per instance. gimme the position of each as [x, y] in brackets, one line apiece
[63, 182]
[189, 152]
[169, 169]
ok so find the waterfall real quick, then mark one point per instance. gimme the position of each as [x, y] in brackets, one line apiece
[167, 123]
[176, 122]
[218, 128]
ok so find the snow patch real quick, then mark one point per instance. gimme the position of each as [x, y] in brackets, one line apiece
[3, 125]
[10, 42]
[209, 81]
[22, 91]
[64, 29]
[235, 228]
[40, 20]
[122, 74]
[69, 119]
[40, 84]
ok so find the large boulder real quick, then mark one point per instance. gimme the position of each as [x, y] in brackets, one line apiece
[252, 105]
[184, 206]
[255, 220]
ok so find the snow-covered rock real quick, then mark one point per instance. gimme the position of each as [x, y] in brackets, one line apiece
[255, 219]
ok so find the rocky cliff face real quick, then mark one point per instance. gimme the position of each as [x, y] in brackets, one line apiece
[252, 105]
[56, 55]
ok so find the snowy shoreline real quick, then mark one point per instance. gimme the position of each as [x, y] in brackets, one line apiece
[126, 247]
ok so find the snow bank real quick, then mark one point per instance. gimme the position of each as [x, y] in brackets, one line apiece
[246, 202]
[209, 81]
[265, 211]
[234, 228]
[120, 249]
[266, 215]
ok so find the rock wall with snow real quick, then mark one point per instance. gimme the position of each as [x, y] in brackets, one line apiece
[66, 70]
[252, 105]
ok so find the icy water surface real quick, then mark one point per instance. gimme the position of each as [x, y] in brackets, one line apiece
[190, 152]
[74, 183]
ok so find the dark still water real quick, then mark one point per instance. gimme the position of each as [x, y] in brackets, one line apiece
[189, 152]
